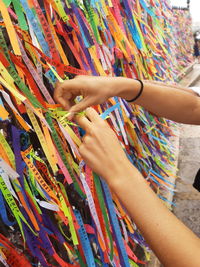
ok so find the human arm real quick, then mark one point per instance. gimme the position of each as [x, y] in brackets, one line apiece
[170, 102]
[172, 242]
[172, 85]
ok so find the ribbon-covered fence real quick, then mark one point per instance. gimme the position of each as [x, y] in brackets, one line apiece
[52, 213]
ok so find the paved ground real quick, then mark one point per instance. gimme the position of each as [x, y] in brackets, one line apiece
[192, 77]
[187, 198]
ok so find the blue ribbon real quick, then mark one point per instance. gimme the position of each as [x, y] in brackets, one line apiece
[157, 174]
[115, 225]
[109, 110]
[34, 23]
[3, 212]
[84, 240]
[147, 9]
[157, 139]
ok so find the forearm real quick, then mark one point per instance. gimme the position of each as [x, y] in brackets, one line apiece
[172, 242]
[171, 85]
[164, 101]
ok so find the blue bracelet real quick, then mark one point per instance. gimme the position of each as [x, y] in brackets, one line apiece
[140, 92]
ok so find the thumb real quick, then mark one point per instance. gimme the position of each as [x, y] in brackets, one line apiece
[79, 107]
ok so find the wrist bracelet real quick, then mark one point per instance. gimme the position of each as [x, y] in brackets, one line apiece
[140, 92]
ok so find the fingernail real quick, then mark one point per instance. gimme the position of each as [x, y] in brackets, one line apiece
[70, 115]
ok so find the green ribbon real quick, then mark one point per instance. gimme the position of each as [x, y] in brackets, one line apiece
[62, 153]
[7, 2]
[103, 209]
[19, 12]
[14, 208]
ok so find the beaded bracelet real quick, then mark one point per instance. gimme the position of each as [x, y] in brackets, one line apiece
[140, 92]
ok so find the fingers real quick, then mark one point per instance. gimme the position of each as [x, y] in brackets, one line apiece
[92, 115]
[83, 104]
[91, 118]
[83, 122]
[65, 93]
[58, 95]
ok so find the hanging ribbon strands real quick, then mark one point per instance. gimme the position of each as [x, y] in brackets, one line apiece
[54, 210]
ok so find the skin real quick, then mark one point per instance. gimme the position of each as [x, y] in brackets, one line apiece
[171, 102]
[172, 242]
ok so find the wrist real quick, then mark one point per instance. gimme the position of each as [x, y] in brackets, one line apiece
[118, 175]
[127, 88]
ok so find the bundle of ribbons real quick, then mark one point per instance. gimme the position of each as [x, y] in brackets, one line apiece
[54, 211]
[183, 49]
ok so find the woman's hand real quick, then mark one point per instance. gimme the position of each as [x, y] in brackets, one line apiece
[101, 149]
[95, 90]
